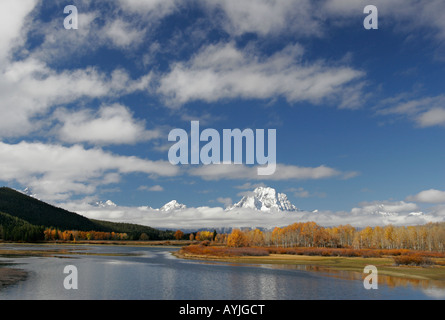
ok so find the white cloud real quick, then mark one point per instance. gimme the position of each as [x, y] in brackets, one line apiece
[432, 117]
[123, 34]
[310, 18]
[428, 196]
[223, 71]
[109, 125]
[12, 19]
[283, 172]
[225, 201]
[156, 188]
[386, 208]
[407, 15]
[154, 8]
[56, 172]
[266, 17]
[425, 112]
[124, 25]
[30, 89]
[250, 186]
[215, 217]
[301, 193]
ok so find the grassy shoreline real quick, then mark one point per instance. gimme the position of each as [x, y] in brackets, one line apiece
[335, 264]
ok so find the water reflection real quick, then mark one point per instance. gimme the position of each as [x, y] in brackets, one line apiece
[154, 273]
[390, 281]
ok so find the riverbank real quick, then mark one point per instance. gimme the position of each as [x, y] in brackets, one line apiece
[107, 242]
[385, 265]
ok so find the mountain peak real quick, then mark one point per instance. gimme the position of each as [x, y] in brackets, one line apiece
[106, 204]
[173, 205]
[27, 191]
[265, 199]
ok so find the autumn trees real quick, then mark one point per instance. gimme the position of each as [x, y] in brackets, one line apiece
[178, 235]
[237, 239]
[429, 237]
[73, 235]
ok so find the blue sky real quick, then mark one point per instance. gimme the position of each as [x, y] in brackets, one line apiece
[359, 114]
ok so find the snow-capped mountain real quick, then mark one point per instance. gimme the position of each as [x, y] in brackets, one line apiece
[265, 199]
[173, 205]
[389, 210]
[106, 204]
[28, 192]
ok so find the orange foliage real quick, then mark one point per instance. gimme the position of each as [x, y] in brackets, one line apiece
[72, 235]
[178, 235]
[237, 239]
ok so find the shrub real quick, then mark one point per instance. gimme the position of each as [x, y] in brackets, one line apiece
[224, 251]
[412, 260]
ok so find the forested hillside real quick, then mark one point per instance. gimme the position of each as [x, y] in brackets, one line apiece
[16, 229]
[40, 213]
[135, 231]
[25, 218]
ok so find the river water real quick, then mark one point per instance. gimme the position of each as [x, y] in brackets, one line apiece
[153, 273]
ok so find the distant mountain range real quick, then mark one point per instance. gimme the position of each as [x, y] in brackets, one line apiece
[260, 199]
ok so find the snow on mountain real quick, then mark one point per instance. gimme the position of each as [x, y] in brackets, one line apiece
[265, 199]
[389, 209]
[28, 192]
[173, 205]
[106, 204]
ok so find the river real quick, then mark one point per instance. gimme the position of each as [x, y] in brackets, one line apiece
[153, 273]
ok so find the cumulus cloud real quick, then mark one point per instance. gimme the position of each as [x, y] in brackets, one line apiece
[109, 125]
[223, 71]
[29, 89]
[428, 196]
[12, 20]
[56, 172]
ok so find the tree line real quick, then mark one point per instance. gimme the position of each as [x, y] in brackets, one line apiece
[429, 237]
[52, 234]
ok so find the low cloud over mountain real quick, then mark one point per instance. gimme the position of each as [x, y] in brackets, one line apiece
[264, 207]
